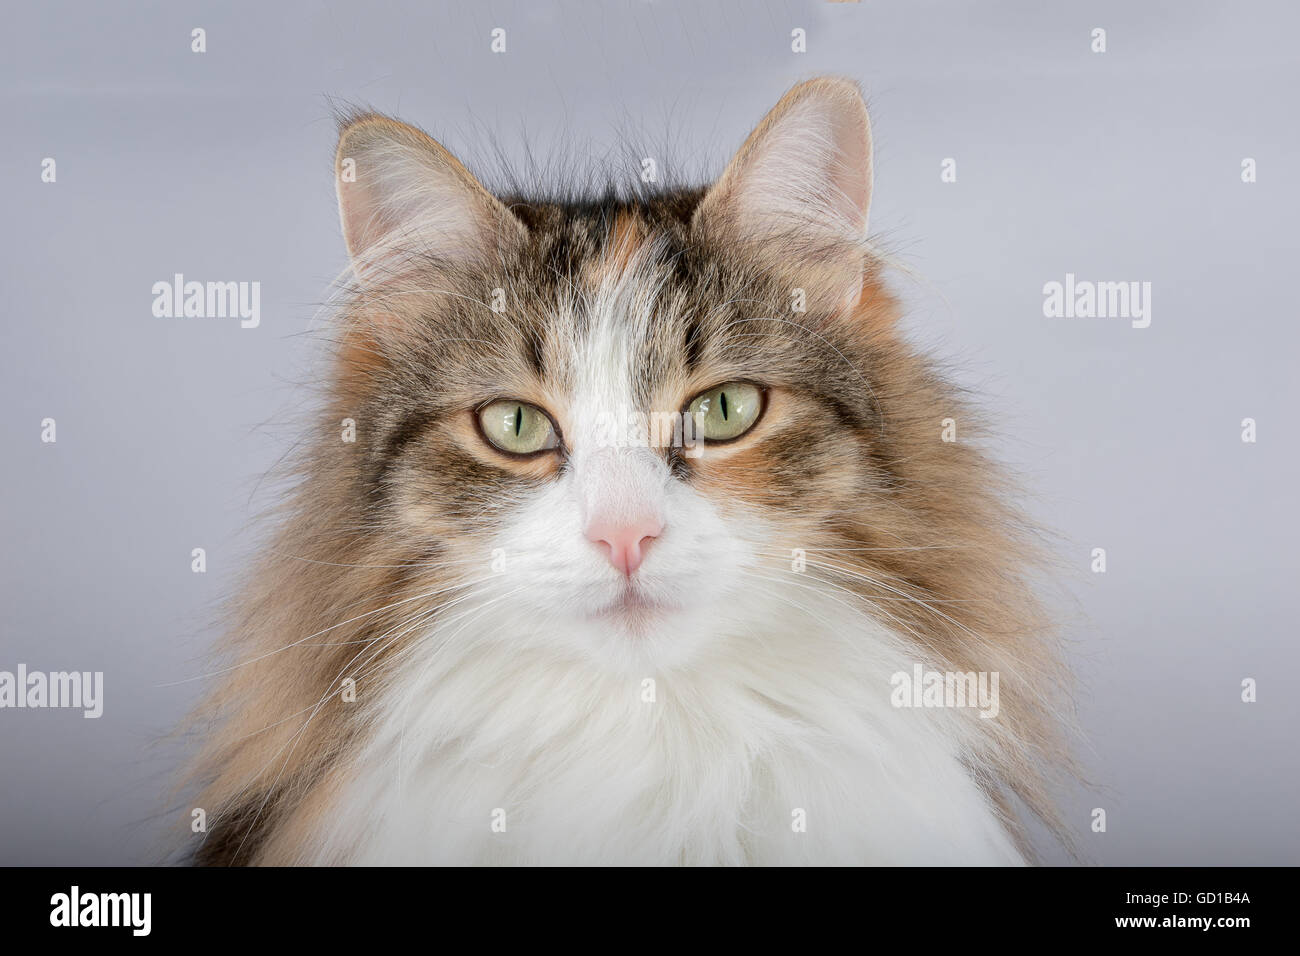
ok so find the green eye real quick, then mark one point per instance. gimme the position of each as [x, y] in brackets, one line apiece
[726, 412]
[517, 427]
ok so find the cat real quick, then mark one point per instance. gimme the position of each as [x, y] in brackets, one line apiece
[489, 633]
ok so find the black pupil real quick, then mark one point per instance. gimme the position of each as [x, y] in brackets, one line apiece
[519, 419]
[722, 400]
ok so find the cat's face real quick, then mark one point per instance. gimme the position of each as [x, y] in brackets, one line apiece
[612, 427]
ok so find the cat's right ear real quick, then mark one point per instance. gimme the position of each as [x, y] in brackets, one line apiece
[403, 196]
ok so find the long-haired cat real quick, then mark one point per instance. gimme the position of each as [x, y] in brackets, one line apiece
[631, 533]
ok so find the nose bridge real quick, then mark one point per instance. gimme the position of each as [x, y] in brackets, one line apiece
[621, 486]
[622, 496]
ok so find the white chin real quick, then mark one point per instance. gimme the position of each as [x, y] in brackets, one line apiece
[645, 638]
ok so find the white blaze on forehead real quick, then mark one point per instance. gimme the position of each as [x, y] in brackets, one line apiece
[628, 483]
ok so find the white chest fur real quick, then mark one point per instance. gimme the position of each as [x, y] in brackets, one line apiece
[776, 748]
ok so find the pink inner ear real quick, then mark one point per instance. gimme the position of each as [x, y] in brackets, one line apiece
[409, 193]
[852, 169]
[812, 166]
[406, 208]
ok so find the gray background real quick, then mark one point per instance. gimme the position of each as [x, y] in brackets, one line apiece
[1122, 166]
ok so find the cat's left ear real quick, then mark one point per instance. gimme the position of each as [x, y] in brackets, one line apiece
[798, 191]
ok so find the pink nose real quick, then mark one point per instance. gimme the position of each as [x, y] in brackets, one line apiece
[627, 541]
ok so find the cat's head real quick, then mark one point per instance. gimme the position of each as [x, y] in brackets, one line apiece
[621, 423]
